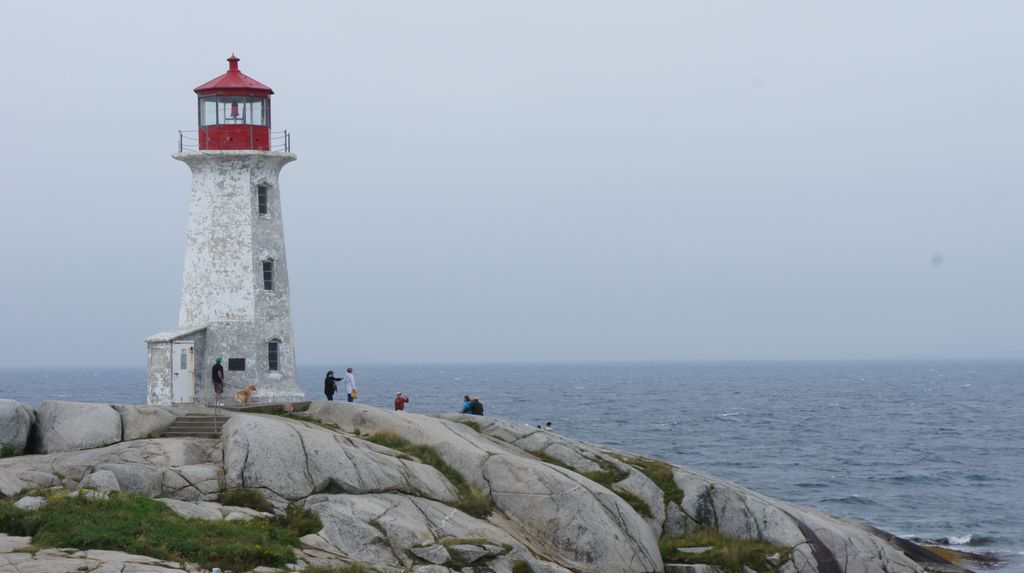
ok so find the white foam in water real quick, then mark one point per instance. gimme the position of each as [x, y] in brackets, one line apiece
[960, 540]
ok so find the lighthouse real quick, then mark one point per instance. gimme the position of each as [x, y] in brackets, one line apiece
[234, 294]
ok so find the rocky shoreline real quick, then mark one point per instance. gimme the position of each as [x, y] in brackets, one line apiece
[398, 492]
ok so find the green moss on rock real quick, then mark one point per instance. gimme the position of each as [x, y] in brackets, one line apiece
[728, 554]
[471, 500]
[142, 526]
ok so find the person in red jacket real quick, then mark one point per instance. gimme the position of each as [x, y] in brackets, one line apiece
[400, 401]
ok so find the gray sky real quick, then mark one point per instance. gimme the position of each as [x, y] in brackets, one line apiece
[534, 181]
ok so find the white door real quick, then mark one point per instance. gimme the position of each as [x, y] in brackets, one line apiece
[183, 369]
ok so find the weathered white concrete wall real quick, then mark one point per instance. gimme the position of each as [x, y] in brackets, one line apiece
[226, 237]
[246, 340]
[222, 287]
[159, 369]
[160, 364]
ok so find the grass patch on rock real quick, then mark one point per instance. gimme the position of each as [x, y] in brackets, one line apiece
[298, 520]
[635, 502]
[728, 554]
[8, 451]
[293, 416]
[547, 458]
[14, 521]
[660, 473]
[471, 500]
[246, 497]
[470, 423]
[608, 476]
[140, 525]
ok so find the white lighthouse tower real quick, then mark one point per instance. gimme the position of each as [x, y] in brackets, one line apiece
[234, 294]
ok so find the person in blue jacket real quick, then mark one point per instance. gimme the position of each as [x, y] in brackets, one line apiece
[467, 405]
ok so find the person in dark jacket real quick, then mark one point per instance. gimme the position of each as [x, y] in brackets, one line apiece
[330, 385]
[476, 408]
[218, 381]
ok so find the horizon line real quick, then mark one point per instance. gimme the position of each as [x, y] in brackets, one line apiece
[567, 362]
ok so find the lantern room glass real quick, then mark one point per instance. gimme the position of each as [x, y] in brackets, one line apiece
[234, 110]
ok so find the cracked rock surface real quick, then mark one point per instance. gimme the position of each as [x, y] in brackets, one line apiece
[384, 529]
[16, 421]
[293, 460]
[15, 558]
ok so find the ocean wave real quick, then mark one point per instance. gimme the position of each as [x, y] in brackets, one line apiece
[811, 484]
[909, 479]
[849, 500]
[972, 539]
[966, 540]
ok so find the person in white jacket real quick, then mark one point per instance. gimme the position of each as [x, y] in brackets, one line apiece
[350, 384]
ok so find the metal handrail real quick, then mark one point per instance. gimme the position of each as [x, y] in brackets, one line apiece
[188, 140]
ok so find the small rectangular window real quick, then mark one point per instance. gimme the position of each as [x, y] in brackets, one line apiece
[272, 355]
[236, 363]
[184, 359]
[261, 200]
[268, 275]
[208, 111]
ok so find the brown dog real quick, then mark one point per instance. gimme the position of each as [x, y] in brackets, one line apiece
[242, 396]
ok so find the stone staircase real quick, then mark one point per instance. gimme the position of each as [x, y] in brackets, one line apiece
[196, 426]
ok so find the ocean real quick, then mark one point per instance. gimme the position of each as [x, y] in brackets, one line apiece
[930, 450]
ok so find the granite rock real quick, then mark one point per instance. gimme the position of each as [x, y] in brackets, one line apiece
[16, 421]
[138, 422]
[70, 426]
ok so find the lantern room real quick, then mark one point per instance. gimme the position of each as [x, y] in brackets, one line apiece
[234, 112]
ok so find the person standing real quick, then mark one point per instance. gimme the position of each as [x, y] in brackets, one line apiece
[400, 401]
[218, 380]
[330, 384]
[350, 385]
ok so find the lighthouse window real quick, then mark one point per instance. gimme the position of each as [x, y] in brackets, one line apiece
[207, 111]
[233, 110]
[257, 116]
[268, 274]
[261, 200]
[272, 355]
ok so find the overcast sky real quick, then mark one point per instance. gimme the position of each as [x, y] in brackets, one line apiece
[535, 181]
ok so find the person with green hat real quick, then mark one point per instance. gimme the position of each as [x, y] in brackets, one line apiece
[218, 380]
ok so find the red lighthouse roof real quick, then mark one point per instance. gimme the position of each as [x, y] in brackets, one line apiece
[233, 82]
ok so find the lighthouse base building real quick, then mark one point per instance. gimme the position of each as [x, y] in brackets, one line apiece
[235, 294]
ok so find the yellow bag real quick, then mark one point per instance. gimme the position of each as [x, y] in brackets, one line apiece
[355, 394]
